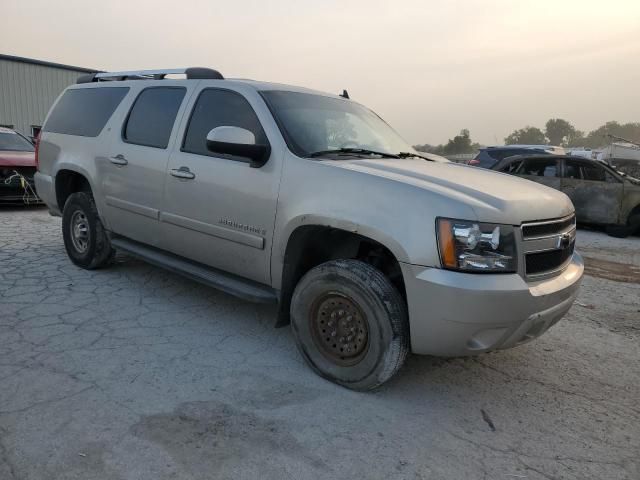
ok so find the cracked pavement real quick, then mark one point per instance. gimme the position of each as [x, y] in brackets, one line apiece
[132, 372]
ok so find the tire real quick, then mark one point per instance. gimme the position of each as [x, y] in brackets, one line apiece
[350, 293]
[93, 249]
[623, 231]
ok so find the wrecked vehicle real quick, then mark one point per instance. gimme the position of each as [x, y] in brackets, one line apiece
[17, 167]
[601, 194]
[487, 157]
[310, 200]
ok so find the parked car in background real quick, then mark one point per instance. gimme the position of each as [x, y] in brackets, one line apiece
[487, 157]
[17, 168]
[600, 194]
[580, 152]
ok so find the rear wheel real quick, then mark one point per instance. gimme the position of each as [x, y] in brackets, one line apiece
[85, 239]
[350, 324]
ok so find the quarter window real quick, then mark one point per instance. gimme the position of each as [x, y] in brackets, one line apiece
[216, 108]
[84, 111]
[152, 116]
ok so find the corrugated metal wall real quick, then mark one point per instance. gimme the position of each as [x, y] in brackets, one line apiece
[27, 91]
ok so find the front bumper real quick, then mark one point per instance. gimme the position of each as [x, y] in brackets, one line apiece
[456, 314]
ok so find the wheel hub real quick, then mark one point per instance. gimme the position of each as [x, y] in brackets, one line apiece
[340, 329]
[80, 231]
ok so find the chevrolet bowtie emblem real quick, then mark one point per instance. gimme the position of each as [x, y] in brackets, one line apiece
[564, 240]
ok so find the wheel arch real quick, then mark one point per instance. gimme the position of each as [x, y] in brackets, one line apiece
[634, 211]
[68, 181]
[310, 244]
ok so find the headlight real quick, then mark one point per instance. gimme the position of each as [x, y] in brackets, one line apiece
[476, 247]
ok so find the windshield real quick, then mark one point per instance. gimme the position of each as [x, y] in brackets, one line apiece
[315, 123]
[13, 141]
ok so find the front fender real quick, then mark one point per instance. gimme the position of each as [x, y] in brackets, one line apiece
[305, 220]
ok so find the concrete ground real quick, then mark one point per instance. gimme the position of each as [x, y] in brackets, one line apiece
[135, 373]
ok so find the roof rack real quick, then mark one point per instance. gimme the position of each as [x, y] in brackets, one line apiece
[192, 73]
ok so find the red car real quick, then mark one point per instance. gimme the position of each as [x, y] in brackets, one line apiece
[17, 167]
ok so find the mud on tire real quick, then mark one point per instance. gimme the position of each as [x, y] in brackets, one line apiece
[350, 324]
[85, 239]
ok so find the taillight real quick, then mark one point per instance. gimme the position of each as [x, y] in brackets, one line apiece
[37, 148]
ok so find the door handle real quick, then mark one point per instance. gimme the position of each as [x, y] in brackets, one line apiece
[183, 172]
[119, 160]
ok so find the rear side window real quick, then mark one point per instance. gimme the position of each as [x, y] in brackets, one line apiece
[539, 167]
[152, 116]
[84, 112]
[500, 154]
[216, 108]
[484, 159]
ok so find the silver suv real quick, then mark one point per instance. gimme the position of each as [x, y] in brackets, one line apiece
[282, 194]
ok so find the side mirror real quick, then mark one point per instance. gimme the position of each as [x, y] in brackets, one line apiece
[239, 142]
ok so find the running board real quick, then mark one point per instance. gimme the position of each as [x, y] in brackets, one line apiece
[226, 282]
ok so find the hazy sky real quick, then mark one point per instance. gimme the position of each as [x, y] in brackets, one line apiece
[429, 68]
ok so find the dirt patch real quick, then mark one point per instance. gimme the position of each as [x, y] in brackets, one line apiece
[619, 272]
[219, 438]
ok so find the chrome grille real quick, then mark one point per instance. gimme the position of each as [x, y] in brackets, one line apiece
[541, 229]
[548, 245]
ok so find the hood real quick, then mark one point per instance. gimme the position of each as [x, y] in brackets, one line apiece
[494, 197]
[17, 159]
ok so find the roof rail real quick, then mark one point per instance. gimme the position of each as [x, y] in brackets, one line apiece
[192, 73]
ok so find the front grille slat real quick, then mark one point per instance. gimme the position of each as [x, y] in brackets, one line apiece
[558, 236]
[541, 262]
[550, 228]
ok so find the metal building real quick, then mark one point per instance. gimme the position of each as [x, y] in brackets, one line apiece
[28, 88]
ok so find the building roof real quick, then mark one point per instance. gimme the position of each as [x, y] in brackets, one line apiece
[33, 61]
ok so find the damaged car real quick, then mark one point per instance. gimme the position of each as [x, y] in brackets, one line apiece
[601, 194]
[17, 168]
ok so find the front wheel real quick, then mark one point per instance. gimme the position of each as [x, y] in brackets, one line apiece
[622, 231]
[85, 239]
[350, 324]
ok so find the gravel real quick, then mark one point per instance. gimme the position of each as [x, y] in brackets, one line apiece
[135, 373]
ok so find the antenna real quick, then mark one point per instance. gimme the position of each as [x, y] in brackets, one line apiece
[345, 94]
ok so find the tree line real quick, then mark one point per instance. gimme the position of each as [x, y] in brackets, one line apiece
[557, 131]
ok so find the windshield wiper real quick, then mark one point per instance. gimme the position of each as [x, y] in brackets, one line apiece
[411, 154]
[348, 151]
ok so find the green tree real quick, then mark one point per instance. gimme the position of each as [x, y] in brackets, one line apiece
[599, 137]
[459, 144]
[575, 139]
[526, 136]
[558, 131]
